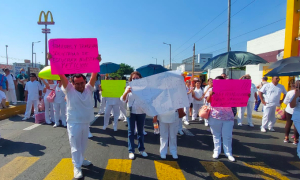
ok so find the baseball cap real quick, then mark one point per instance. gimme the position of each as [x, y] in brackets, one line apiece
[265, 78]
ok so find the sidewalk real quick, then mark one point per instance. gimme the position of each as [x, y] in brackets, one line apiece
[13, 110]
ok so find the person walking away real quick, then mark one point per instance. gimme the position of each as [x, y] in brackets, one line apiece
[272, 93]
[49, 112]
[168, 126]
[289, 113]
[59, 105]
[136, 115]
[189, 91]
[11, 90]
[197, 100]
[264, 81]
[295, 103]
[221, 121]
[250, 104]
[22, 79]
[33, 93]
[96, 93]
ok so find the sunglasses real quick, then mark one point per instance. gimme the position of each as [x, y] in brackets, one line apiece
[135, 78]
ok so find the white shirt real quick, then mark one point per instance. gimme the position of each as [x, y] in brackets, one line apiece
[10, 80]
[253, 91]
[296, 114]
[132, 102]
[79, 105]
[198, 94]
[33, 89]
[272, 93]
[288, 98]
[2, 96]
[59, 95]
[168, 117]
[190, 96]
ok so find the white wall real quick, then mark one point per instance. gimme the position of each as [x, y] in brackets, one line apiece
[213, 73]
[256, 72]
[268, 43]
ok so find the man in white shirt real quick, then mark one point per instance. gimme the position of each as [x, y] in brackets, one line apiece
[80, 113]
[272, 92]
[33, 93]
[11, 92]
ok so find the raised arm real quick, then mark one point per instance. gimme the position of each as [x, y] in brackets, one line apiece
[94, 75]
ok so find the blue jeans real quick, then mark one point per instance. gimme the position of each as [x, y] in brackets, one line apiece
[257, 104]
[140, 121]
[96, 97]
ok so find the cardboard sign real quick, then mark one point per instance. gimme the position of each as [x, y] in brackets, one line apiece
[230, 93]
[71, 56]
[113, 88]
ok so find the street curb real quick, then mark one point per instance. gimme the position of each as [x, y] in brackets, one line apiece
[12, 111]
[260, 117]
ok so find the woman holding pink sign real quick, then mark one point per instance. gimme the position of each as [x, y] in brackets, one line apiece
[221, 121]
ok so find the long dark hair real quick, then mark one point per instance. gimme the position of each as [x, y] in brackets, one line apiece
[134, 73]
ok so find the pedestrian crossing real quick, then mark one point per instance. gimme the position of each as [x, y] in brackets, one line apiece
[121, 169]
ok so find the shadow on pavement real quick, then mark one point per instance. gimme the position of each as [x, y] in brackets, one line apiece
[8, 147]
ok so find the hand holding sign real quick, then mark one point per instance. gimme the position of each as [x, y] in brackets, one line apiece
[71, 56]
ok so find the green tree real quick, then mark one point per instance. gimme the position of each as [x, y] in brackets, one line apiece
[125, 69]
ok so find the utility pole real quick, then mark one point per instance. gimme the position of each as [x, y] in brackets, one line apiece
[6, 54]
[193, 67]
[170, 58]
[163, 63]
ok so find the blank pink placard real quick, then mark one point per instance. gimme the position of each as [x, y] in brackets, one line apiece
[230, 93]
[71, 56]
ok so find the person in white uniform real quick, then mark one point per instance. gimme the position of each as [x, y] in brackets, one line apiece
[33, 93]
[112, 104]
[49, 112]
[250, 104]
[12, 82]
[189, 91]
[295, 103]
[207, 90]
[59, 105]
[272, 93]
[168, 126]
[197, 100]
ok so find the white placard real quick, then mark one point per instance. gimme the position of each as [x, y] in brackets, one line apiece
[160, 93]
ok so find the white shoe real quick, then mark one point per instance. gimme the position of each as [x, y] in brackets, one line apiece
[163, 156]
[263, 129]
[143, 153]
[104, 127]
[240, 124]
[215, 156]
[90, 135]
[271, 129]
[77, 173]
[86, 163]
[200, 119]
[231, 158]
[24, 119]
[186, 123]
[206, 124]
[145, 133]
[251, 125]
[125, 120]
[115, 129]
[131, 156]
[174, 156]
[180, 132]
[55, 125]
[193, 119]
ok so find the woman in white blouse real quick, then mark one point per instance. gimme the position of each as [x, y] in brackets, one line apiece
[207, 90]
[59, 106]
[198, 100]
[49, 112]
[295, 103]
[136, 115]
[189, 91]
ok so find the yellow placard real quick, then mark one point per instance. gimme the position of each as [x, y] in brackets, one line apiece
[113, 88]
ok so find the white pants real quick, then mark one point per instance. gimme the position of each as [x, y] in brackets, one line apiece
[168, 136]
[29, 106]
[11, 95]
[102, 105]
[180, 124]
[241, 113]
[187, 112]
[196, 108]
[60, 113]
[122, 109]
[116, 110]
[221, 129]
[269, 118]
[78, 138]
[49, 113]
[297, 126]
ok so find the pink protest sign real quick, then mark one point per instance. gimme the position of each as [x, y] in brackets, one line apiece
[71, 56]
[230, 93]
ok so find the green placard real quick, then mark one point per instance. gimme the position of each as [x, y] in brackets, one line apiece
[113, 88]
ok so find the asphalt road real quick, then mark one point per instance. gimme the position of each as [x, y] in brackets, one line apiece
[43, 152]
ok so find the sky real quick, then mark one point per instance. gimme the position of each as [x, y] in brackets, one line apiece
[133, 31]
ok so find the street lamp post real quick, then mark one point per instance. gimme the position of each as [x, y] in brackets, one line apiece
[32, 52]
[170, 54]
[155, 58]
[6, 54]
[35, 59]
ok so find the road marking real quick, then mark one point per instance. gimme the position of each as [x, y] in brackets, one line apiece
[168, 170]
[260, 167]
[295, 163]
[15, 167]
[186, 131]
[62, 171]
[32, 127]
[218, 170]
[118, 169]
[96, 117]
